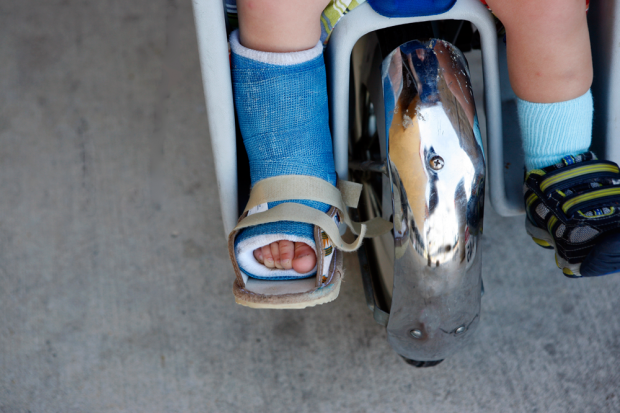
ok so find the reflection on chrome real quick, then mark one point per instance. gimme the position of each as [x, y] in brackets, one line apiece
[436, 169]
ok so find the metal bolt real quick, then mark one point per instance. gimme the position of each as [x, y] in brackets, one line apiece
[460, 330]
[436, 162]
[415, 333]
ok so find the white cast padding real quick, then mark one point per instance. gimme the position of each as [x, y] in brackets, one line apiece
[281, 59]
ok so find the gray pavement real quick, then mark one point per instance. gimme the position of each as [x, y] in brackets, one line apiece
[115, 286]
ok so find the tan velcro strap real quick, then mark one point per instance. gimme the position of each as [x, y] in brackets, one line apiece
[302, 213]
[350, 192]
[310, 188]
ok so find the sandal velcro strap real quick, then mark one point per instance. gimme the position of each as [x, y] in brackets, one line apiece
[580, 171]
[301, 187]
[596, 197]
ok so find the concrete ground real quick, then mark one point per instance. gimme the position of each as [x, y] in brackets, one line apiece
[115, 286]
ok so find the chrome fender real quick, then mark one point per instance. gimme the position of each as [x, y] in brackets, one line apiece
[436, 170]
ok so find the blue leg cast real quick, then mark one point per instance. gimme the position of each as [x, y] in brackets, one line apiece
[281, 101]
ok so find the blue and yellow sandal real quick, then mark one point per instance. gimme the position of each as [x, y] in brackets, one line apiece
[574, 208]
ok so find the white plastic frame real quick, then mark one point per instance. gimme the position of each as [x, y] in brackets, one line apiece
[215, 65]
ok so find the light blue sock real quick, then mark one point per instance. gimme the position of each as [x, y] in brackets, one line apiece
[551, 131]
[281, 101]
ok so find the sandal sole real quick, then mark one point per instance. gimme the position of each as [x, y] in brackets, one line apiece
[297, 301]
[331, 296]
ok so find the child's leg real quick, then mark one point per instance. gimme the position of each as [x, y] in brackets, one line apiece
[571, 197]
[549, 57]
[270, 33]
[280, 26]
[549, 61]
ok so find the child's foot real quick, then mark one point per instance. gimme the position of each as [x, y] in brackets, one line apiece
[574, 207]
[287, 255]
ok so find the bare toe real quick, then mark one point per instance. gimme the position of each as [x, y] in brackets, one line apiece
[286, 255]
[258, 254]
[275, 252]
[305, 258]
[287, 252]
[267, 257]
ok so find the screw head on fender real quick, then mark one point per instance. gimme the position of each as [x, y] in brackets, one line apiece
[436, 162]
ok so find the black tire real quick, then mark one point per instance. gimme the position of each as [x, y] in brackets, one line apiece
[421, 364]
